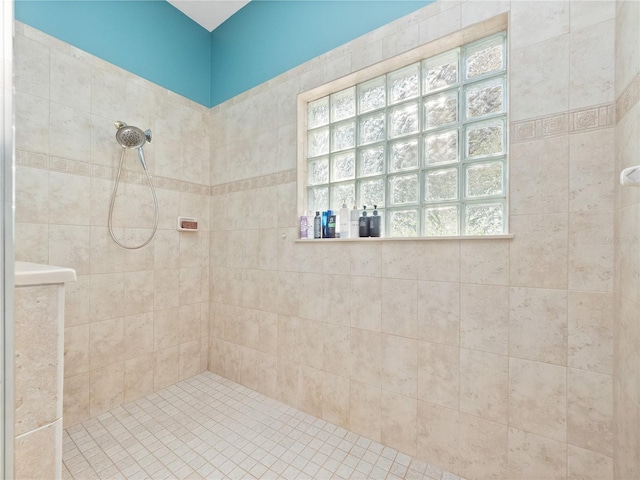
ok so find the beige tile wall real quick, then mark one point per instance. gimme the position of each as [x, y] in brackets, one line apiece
[626, 407]
[136, 321]
[492, 359]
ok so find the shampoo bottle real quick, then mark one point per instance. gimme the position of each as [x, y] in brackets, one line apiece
[325, 219]
[331, 225]
[317, 226]
[363, 225]
[344, 221]
[354, 223]
[374, 223]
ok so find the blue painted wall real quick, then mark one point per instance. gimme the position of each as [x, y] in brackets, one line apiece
[268, 37]
[150, 38]
[156, 41]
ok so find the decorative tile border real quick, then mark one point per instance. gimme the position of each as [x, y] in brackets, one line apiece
[168, 183]
[628, 99]
[574, 121]
[75, 167]
[278, 178]
[31, 159]
[99, 171]
[592, 118]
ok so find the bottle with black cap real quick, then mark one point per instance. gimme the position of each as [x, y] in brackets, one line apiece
[374, 223]
[331, 225]
[363, 229]
[317, 226]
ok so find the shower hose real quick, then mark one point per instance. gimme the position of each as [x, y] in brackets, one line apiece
[113, 201]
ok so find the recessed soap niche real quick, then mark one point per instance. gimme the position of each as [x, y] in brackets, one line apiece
[187, 224]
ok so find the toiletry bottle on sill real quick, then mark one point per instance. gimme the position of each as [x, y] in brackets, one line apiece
[304, 227]
[331, 225]
[344, 221]
[325, 218]
[374, 223]
[354, 226]
[363, 229]
[317, 226]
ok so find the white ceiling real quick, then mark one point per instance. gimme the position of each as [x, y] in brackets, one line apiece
[208, 13]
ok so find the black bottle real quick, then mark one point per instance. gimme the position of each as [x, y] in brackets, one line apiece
[374, 223]
[363, 224]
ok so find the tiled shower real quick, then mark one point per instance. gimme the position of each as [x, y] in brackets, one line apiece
[496, 358]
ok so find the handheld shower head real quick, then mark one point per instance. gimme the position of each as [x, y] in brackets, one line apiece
[133, 137]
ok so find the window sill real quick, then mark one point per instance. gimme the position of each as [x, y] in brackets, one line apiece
[506, 236]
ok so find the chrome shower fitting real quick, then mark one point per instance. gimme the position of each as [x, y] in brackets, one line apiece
[132, 137]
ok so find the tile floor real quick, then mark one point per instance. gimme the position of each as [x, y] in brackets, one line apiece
[208, 427]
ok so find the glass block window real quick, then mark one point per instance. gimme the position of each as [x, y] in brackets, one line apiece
[426, 143]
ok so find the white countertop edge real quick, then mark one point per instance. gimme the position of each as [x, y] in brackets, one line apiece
[27, 274]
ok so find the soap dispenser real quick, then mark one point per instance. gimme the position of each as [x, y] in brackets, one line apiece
[363, 224]
[374, 223]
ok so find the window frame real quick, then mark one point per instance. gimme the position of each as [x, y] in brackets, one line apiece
[458, 40]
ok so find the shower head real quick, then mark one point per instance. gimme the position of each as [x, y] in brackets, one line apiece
[133, 137]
